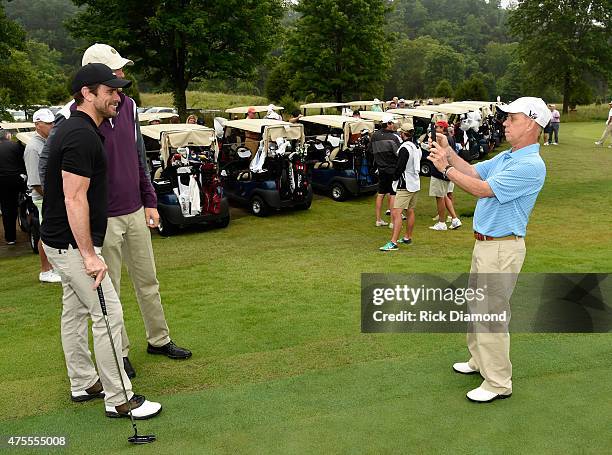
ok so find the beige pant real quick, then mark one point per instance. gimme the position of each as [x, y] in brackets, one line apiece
[128, 236]
[607, 132]
[81, 302]
[491, 350]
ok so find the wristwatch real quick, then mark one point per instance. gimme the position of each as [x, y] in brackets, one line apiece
[447, 168]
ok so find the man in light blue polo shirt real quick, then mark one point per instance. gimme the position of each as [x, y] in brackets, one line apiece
[507, 187]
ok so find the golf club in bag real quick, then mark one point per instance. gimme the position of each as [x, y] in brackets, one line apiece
[136, 439]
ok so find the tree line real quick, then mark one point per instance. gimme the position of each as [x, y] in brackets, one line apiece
[334, 50]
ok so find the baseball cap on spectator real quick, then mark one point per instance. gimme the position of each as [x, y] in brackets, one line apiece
[97, 73]
[534, 108]
[387, 118]
[610, 102]
[103, 53]
[43, 115]
[442, 123]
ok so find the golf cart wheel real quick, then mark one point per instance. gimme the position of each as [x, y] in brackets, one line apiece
[338, 192]
[426, 169]
[34, 237]
[223, 222]
[258, 206]
[165, 228]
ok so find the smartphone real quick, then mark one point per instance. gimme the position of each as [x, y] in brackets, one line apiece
[432, 132]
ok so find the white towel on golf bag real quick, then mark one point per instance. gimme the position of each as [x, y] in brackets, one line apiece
[189, 197]
[257, 162]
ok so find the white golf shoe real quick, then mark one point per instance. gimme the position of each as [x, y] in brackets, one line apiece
[50, 276]
[439, 226]
[142, 409]
[480, 395]
[463, 368]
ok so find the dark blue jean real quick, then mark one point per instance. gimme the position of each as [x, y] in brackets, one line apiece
[554, 130]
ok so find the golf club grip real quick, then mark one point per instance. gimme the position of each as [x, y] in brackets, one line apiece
[101, 297]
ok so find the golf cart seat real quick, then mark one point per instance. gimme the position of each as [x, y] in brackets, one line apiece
[330, 160]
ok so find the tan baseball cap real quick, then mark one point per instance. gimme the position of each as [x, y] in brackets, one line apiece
[103, 53]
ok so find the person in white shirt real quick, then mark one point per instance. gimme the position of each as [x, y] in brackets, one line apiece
[608, 131]
[407, 185]
[43, 121]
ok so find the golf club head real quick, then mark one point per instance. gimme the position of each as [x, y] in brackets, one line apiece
[142, 439]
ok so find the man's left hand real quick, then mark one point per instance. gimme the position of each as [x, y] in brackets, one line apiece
[152, 217]
[438, 156]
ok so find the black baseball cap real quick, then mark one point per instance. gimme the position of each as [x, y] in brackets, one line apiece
[97, 73]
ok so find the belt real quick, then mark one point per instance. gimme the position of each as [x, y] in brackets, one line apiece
[482, 237]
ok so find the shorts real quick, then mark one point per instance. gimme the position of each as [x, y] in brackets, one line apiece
[38, 204]
[385, 184]
[405, 199]
[438, 187]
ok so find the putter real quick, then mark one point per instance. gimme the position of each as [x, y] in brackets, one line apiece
[136, 439]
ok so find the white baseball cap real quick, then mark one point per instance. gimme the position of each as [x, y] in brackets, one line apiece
[103, 53]
[534, 108]
[43, 115]
[387, 118]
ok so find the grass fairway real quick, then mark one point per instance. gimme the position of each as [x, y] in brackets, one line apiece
[270, 308]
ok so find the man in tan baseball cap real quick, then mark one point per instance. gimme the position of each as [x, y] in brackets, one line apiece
[132, 211]
[103, 53]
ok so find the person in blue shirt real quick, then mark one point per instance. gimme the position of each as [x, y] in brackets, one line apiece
[507, 187]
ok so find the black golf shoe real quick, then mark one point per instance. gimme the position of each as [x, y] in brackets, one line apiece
[170, 350]
[129, 369]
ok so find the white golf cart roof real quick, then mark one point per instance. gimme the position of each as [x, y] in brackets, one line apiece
[254, 125]
[365, 103]
[420, 113]
[449, 108]
[245, 109]
[350, 125]
[148, 116]
[17, 126]
[25, 137]
[180, 135]
[378, 116]
[321, 105]
[486, 109]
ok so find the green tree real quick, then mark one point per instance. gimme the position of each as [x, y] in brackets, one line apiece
[471, 89]
[561, 40]
[173, 43]
[444, 89]
[497, 57]
[442, 62]
[43, 21]
[338, 49]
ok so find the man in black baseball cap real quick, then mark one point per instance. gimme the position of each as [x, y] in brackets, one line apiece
[74, 224]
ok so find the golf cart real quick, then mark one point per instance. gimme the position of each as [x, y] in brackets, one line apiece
[17, 127]
[471, 144]
[491, 127]
[28, 217]
[242, 111]
[336, 153]
[262, 162]
[184, 164]
[421, 119]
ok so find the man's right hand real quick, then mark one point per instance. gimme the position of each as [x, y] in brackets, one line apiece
[95, 268]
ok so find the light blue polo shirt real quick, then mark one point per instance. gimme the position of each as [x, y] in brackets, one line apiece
[516, 179]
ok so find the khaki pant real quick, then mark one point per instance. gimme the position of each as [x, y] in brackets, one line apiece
[607, 132]
[128, 237]
[80, 302]
[491, 350]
